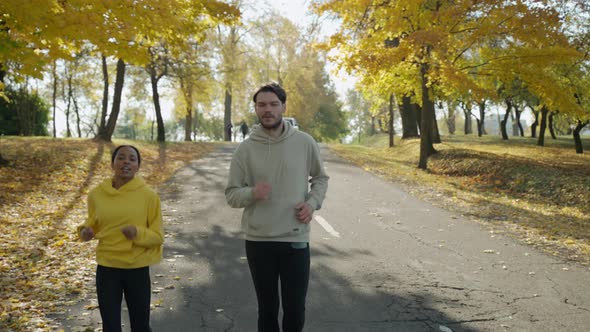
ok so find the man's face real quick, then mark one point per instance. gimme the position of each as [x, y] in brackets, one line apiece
[269, 110]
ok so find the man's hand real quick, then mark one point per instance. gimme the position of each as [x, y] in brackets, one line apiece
[130, 232]
[304, 212]
[86, 234]
[261, 191]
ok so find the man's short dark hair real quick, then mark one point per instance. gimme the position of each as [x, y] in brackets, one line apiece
[114, 154]
[274, 88]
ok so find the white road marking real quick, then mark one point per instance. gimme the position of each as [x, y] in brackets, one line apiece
[327, 226]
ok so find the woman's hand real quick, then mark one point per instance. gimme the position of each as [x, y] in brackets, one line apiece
[130, 232]
[86, 234]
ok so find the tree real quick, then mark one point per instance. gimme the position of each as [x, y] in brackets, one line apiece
[449, 115]
[194, 76]
[358, 112]
[578, 141]
[280, 52]
[125, 30]
[24, 114]
[578, 75]
[230, 43]
[409, 115]
[444, 44]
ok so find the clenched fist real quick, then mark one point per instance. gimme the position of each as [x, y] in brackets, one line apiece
[130, 232]
[261, 191]
[86, 234]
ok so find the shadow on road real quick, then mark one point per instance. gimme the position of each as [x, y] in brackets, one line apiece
[215, 291]
[226, 300]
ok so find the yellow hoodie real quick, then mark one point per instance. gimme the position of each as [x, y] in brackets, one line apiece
[111, 209]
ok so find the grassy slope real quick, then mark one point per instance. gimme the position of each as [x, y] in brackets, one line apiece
[43, 267]
[537, 194]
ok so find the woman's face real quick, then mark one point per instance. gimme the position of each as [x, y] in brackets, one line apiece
[126, 163]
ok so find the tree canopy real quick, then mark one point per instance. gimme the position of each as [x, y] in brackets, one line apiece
[455, 47]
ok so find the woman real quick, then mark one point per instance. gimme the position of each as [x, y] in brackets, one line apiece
[124, 215]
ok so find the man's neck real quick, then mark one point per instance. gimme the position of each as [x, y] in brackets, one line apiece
[276, 132]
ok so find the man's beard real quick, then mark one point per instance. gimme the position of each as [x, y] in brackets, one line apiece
[273, 126]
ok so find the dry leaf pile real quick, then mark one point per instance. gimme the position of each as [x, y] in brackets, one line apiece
[43, 267]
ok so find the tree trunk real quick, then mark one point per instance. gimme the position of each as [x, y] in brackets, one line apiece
[187, 93]
[517, 113]
[391, 133]
[409, 118]
[67, 112]
[373, 130]
[105, 99]
[54, 95]
[481, 125]
[195, 123]
[112, 122]
[435, 132]
[513, 121]
[227, 125]
[577, 139]
[505, 120]
[68, 100]
[426, 147]
[467, 126]
[535, 123]
[188, 124]
[152, 131]
[451, 119]
[551, 126]
[543, 126]
[77, 111]
[161, 137]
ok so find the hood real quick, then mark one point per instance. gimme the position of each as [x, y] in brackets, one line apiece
[259, 135]
[133, 185]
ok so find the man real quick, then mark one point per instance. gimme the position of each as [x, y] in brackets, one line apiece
[268, 177]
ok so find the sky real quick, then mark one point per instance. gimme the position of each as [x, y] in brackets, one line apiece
[296, 11]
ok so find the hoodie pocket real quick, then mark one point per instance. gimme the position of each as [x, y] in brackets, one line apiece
[273, 221]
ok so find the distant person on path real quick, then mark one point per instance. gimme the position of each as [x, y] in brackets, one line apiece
[268, 177]
[244, 129]
[228, 131]
[124, 214]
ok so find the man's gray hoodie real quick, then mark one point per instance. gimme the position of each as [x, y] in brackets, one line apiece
[289, 163]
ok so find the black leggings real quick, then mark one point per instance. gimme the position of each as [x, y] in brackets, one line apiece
[270, 262]
[111, 284]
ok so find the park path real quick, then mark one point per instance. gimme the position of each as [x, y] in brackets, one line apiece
[382, 260]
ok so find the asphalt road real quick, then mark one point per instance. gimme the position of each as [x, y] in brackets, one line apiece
[382, 260]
